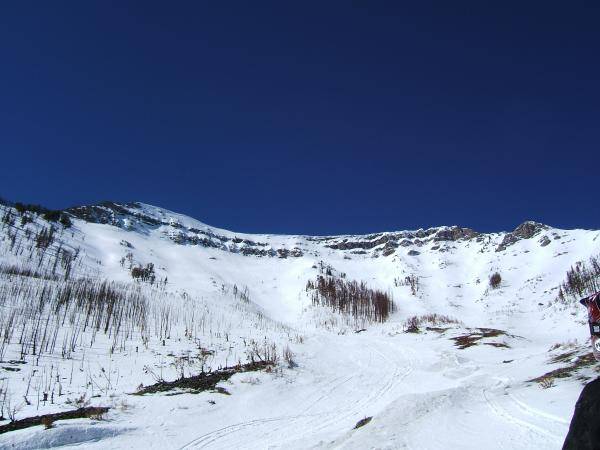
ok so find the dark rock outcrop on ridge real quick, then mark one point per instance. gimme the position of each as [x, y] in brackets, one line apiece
[526, 230]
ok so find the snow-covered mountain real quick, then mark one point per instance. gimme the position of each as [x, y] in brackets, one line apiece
[483, 345]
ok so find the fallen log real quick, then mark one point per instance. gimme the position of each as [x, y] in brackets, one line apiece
[49, 419]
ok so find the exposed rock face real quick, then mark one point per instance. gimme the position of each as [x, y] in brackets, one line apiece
[347, 244]
[454, 234]
[389, 249]
[529, 229]
[526, 230]
[545, 240]
[131, 215]
[391, 241]
[584, 431]
[111, 213]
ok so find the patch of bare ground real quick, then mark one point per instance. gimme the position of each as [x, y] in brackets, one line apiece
[477, 334]
[574, 364]
[497, 344]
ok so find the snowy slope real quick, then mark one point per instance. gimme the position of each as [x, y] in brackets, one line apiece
[421, 389]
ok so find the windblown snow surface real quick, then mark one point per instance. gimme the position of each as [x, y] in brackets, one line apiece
[423, 390]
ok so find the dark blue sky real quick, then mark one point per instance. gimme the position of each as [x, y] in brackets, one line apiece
[307, 117]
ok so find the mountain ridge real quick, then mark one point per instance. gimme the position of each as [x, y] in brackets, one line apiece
[122, 215]
[82, 211]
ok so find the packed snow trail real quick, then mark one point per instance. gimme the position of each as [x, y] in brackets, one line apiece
[428, 406]
[364, 373]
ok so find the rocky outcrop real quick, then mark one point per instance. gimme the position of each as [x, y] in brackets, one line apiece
[389, 248]
[111, 213]
[454, 234]
[388, 241]
[544, 241]
[526, 230]
[584, 431]
[391, 241]
[131, 216]
[529, 229]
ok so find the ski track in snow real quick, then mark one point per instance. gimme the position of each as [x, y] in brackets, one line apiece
[504, 411]
[534, 412]
[345, 414]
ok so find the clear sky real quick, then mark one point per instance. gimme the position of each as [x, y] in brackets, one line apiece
[306, 117]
